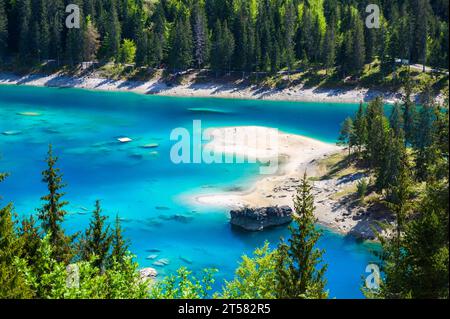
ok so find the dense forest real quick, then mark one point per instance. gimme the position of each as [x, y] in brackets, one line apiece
[244, 35]
[407, 156]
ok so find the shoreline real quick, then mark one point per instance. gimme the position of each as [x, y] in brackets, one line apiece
[299, 154]
[210, 89]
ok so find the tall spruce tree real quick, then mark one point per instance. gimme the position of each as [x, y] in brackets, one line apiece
[181, 44]
[299, 270]
[119, 244]
[201, 34]
[3, 31]
[97, 239]
[52, 212]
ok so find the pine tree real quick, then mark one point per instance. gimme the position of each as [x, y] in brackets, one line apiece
[142, 36]
[31, 239]
[113, 35]
[158, 43]
[119, 244]
[346, 134]
[360, 130]
[396, 120]
[91, 40]
[330, 47]
[289, 33]
[24, 12]
[97, 239]
[74, 40]
[299, 270]
[392, 162]
[227, 48]
[409, 114]
[423, 141]
[201, 34]
[3, 31]
[181, 45]
[12, 281]
[44, 30]
[377, 131]
[52, 213]
[394, 263]
[358, 50]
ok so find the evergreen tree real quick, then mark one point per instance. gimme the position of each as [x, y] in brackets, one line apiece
[127, 52]
[181, 44]
[97, 239]
[423, 141]
[396, 120]
[330, 47]
[3, 30]
[158, 38]
[289, 33]
[358, 50]
[119, 244]
[346, 134]
[201, 34]
[113, 35]
[409, 114]
[394, 263]
[91, 40]
[360, 129]
[299, 271]
[74, 40]
[52, 213]
[24, 13]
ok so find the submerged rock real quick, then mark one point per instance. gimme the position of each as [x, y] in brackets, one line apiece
[28, 113]
[150, 145]
[255, 219]
[161, 262]
[12, 132]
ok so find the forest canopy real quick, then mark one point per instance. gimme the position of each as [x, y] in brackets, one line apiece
[224, 35]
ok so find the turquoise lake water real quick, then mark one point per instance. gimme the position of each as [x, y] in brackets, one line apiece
[146, 189]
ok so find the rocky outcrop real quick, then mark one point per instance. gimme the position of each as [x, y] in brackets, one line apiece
[255, 219]
[148, 273]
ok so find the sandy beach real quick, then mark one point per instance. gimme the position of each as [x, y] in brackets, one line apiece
[297, 154]
[220, 90]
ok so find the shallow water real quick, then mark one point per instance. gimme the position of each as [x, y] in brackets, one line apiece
[143, 186]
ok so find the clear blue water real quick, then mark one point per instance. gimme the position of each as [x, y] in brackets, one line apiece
[146, 189]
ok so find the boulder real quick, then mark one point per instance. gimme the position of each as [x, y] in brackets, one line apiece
[148, 273]
[255, 219]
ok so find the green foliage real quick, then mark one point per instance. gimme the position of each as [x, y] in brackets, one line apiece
[119, 244]
[13, 282]
[97, 239]
[52, 213]
[346, 133]
[299, 269]
[127, 51]
[361, 189]
[267, 35]
[254, 278]
[184, 285]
